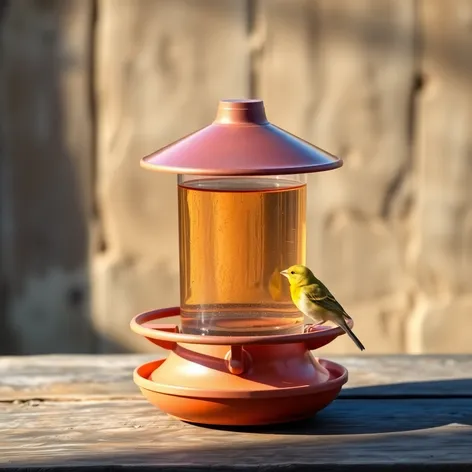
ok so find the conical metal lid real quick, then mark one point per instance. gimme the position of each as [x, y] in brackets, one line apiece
[241, 142]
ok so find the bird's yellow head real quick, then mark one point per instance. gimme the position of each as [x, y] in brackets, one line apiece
[298, 275]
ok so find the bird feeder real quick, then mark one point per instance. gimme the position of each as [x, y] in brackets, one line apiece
[241, 354]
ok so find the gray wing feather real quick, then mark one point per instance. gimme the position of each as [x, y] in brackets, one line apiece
[320, 295]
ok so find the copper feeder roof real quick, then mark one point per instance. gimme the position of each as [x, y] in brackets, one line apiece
[241, 142]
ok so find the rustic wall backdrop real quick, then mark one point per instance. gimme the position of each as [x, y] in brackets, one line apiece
[88, 87]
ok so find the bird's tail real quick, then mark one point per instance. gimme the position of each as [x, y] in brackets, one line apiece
[350, 333]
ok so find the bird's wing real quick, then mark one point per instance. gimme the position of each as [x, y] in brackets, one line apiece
[322, 297]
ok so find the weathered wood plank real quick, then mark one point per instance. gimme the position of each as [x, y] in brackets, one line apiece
[47, 159]
[442, 217]
[341, 75]
[176, 60]
[69, 377]
[347, 433]
[110, 376]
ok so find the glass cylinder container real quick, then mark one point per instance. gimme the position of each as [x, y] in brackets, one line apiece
[236, 234]
[242, 217]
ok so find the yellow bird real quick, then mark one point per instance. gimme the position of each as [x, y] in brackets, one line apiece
[314, 300]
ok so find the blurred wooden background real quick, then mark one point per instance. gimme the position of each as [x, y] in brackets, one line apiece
[88, 87]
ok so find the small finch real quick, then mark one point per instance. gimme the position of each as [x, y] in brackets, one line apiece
[314, 300]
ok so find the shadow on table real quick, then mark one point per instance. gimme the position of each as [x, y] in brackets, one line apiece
[383, 409]
[347, 435]
[185, 448]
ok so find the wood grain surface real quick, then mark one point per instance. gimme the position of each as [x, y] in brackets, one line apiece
[46, 168]
[124, 433]
[346, 69]
[443, 222]
[75, 377]
[83, 411]
[161, 67]
[88, 87]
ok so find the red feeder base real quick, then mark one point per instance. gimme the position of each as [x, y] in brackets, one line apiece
[237, 380]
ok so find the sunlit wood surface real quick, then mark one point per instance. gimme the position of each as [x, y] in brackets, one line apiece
[396, 413]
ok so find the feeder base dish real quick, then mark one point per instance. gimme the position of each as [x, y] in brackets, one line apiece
[237, 380]
[239, 407]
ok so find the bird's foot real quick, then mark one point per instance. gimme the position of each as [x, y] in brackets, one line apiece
[310, 328]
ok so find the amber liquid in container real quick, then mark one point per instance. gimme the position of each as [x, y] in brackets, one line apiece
[236, 235]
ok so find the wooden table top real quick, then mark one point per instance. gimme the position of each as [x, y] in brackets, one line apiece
[408, 413]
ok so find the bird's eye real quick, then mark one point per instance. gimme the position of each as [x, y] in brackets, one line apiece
[293, 272]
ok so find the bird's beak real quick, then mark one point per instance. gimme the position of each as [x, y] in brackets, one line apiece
[284, 272]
